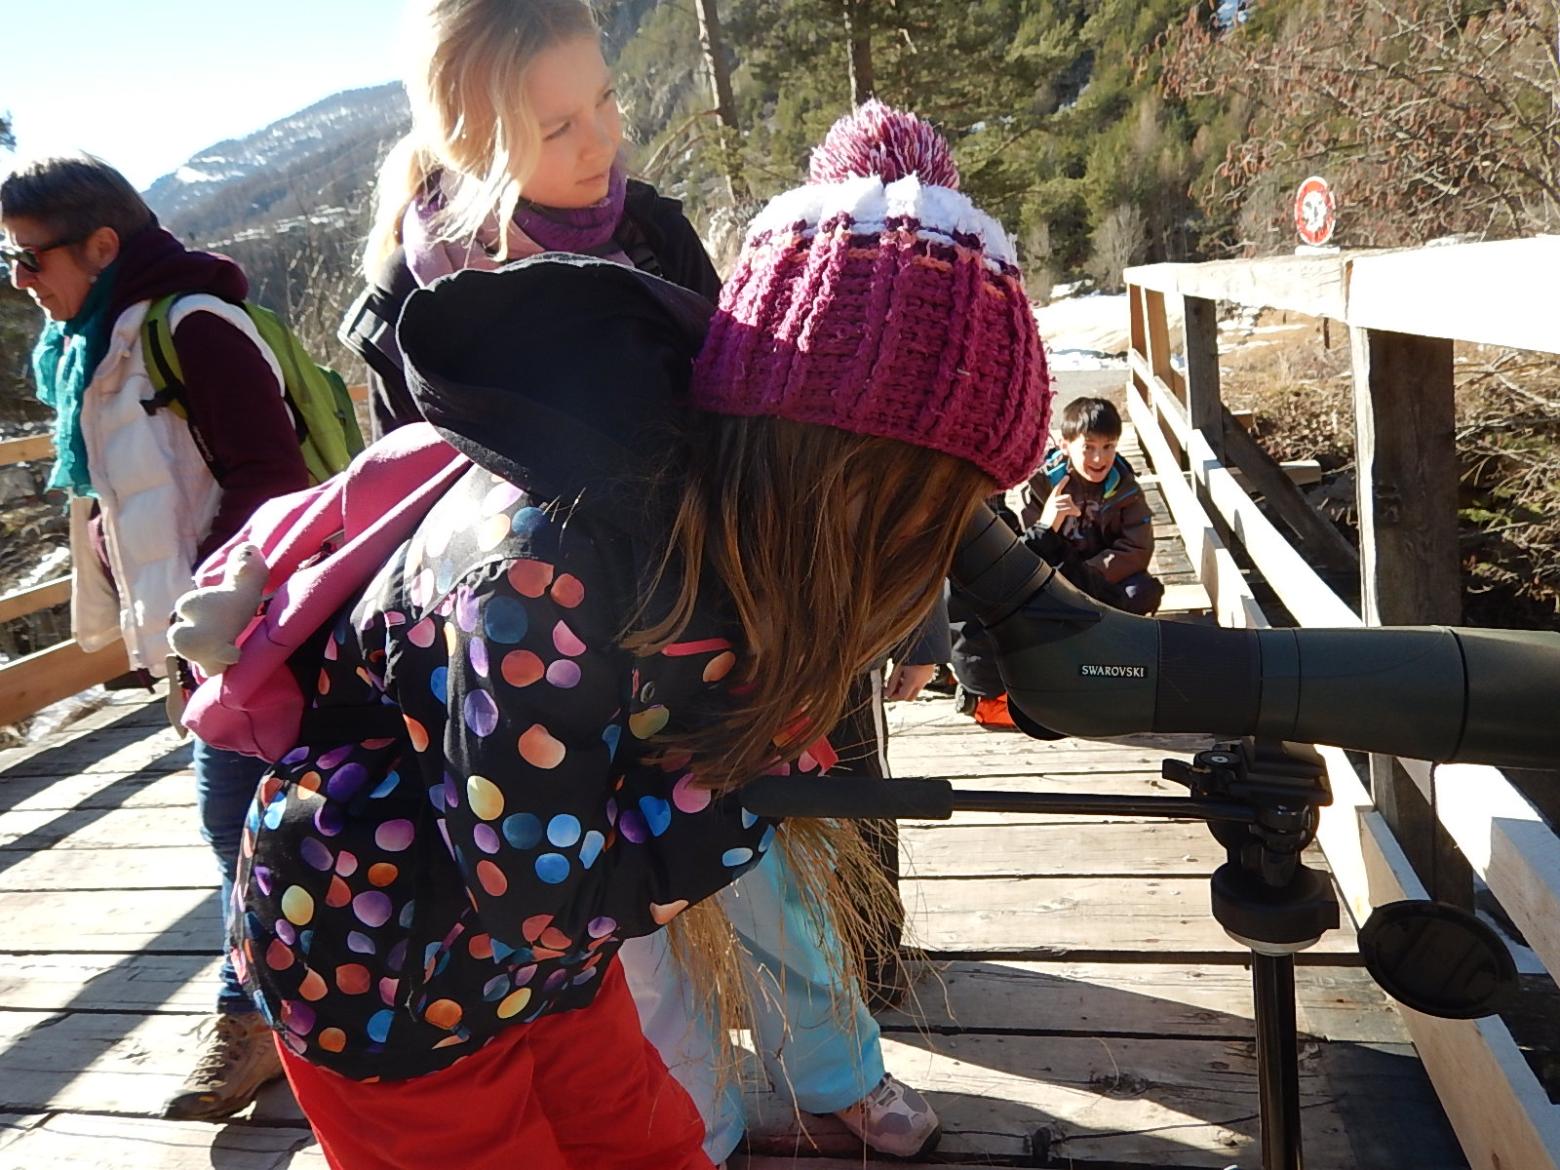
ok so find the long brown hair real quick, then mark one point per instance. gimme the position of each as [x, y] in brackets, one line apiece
[831, 548]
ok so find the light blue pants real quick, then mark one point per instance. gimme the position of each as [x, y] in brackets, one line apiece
[827, 1054]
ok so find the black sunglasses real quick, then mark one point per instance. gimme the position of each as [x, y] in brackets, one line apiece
[27, 258]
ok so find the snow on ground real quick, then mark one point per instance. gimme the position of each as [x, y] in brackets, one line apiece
[1092, 331]
[1089, 332]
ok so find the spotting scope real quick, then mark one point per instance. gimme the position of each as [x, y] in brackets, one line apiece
[1076, 667]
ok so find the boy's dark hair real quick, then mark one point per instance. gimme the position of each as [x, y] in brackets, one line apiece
[1090, 416]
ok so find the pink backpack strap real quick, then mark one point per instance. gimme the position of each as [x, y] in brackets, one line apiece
[255, 706]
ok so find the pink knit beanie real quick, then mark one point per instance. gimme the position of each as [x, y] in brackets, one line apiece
[878, 300]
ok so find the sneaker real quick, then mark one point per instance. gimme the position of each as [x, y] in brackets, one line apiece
[236, 1059]
[894, 1120]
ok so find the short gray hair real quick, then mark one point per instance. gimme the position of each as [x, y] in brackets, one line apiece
[74, 195]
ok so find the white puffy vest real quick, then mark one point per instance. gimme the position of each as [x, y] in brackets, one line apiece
[157, 495]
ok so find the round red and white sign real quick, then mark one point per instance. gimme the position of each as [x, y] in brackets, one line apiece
[1315, 212]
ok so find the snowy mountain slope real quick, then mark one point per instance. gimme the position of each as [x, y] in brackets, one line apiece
[316, 157]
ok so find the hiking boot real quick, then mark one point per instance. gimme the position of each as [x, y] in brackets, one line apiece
[237, 1057]
[894, 1120]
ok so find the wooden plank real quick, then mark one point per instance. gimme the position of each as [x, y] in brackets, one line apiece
[106, 1062]
[1187, 598]
[111, 709]
[1165, 416]
[1204, 405]
[1305, 595]
[1490, 293]
[30, 684]
[1263, 473]
[1199, 1000]
[86, 790]
[1045, 916]
[175, 868]
[26, 601]
[1502, 1115]
[1137, 332]
[14, 1125]
[26, 450]
[1081, 847]
[1157, 326]
[1406, 458]
[1499, 293]
[1317, 286]
[156, 921]
[1049, 917]
[83, 1141]
[1233, 602]
[139, 983]
[112, 750]
[121, 829]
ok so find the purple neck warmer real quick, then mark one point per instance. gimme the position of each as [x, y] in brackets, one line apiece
[585, 230]
[534, 229]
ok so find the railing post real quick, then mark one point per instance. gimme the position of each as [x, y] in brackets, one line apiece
[1204, 406]
[1156, 337]
[1406, 468]
[1138, 337]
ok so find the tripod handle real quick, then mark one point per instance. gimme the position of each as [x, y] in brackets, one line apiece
[849, 797]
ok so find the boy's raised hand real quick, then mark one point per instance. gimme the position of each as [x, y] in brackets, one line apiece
[1059, 505]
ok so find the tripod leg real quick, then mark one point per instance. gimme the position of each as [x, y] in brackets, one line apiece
[1278, 1060]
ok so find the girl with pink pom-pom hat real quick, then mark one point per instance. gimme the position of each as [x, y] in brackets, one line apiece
[876, 299]
[663, 576]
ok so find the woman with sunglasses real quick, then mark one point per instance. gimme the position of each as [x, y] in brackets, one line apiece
[152, 492]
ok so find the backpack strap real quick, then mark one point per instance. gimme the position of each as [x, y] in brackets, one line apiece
[631, 237]
[167, 376]
[162, 360]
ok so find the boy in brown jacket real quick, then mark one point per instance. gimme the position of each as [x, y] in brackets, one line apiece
[1086, 514]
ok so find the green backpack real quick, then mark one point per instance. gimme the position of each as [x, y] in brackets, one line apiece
[317, 398]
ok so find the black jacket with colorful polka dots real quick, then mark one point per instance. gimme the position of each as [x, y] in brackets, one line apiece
[404, 897]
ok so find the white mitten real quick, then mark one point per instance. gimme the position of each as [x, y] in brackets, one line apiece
[208, 621]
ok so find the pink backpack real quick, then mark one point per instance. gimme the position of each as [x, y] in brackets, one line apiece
[319, 547]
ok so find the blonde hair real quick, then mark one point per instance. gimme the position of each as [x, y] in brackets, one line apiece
[470, 119]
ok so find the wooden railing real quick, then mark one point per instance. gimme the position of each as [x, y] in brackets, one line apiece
[46, 676]
[30, 683]
[1403, 311]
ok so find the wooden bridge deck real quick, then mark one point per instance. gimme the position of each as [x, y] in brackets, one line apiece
[1080, 1007]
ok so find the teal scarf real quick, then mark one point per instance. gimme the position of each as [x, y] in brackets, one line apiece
[64, 360]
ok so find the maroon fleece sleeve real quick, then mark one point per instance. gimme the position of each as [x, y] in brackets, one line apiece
[236, 408]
